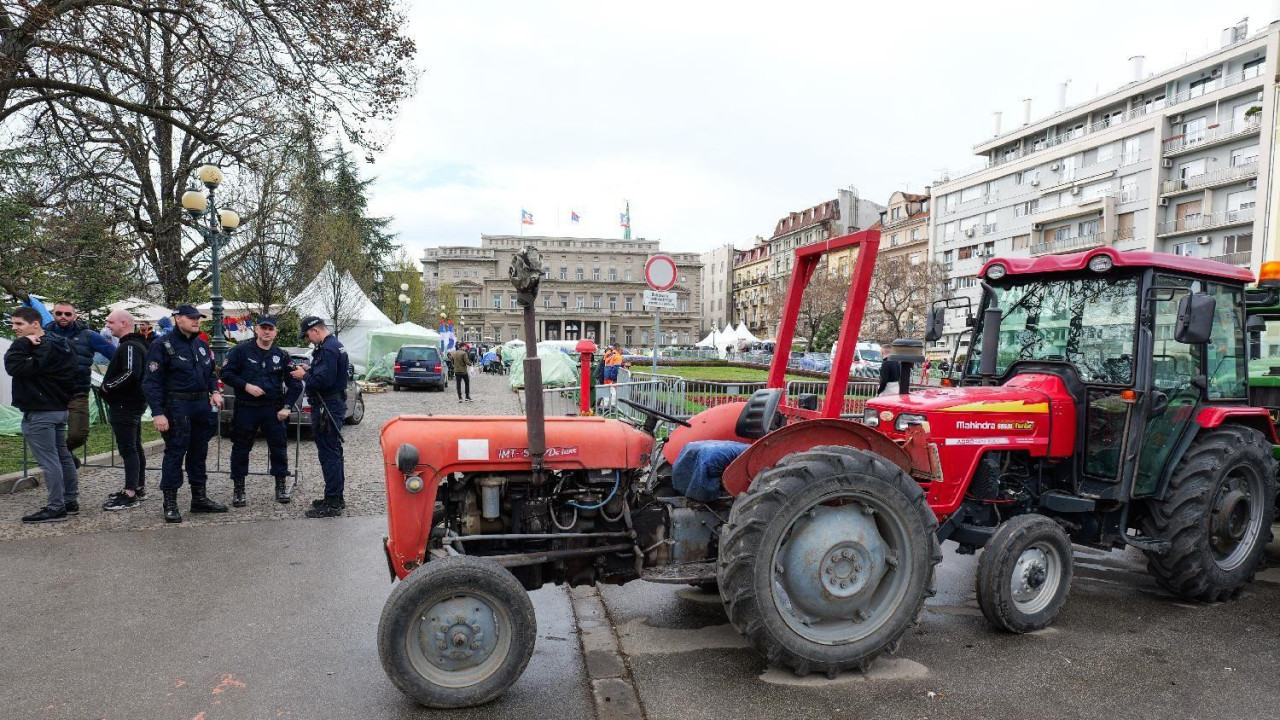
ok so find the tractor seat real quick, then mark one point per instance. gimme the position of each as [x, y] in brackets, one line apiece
[760, 416]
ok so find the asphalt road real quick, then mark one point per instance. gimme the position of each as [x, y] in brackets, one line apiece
[265, 615]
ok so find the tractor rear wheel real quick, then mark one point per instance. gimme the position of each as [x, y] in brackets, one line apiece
[1024, 574]
[827, 559]
[457, 632]
[1216, 513]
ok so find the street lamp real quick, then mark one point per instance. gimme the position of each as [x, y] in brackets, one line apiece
[404, 302]
[216, 230]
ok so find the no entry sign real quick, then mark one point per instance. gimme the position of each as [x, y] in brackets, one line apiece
[660, 272]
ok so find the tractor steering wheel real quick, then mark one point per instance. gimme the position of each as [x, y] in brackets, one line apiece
[654, 413]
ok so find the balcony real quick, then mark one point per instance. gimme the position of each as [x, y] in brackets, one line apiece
[1199, 223]
[1069, 244]
[1210, 136]
[1225, 176]
[1241, 259]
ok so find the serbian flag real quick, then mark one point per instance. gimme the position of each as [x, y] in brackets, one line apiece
[574, 217]
[624, 219]
[526, 217]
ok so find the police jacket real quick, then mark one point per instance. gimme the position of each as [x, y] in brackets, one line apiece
[178, 365]
[122, 385]
[43, 373]
[84, 342]
[327, 376]
[248, 364]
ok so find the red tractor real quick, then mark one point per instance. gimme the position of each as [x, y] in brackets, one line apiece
[1103, 405]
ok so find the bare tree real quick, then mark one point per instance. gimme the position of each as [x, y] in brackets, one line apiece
[266, 262]
[898, 302]
[821, 303]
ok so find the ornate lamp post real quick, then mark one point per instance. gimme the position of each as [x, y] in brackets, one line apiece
[404, 302]
[216, 230]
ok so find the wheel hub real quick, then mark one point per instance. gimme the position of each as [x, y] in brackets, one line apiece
[1231, 518]
[1030, 574]
[832, 563]
[458, 634]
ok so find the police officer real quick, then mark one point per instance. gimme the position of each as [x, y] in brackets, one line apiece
[265, 392]
[179, 385]
[326, 381]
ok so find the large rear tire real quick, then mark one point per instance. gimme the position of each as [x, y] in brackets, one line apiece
[827, 559]
[1024, 574]
[457, 632]
[1216, 513]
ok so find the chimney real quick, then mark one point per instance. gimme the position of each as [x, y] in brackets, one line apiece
[1135, 66]
[1228, 36]
[997, 115]
[1026, 111]
[1062, 96]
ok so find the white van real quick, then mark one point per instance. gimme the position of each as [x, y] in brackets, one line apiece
[866, 359]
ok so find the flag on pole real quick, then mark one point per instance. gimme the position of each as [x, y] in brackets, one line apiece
[624, 219]
[574, 217]
[526, 217]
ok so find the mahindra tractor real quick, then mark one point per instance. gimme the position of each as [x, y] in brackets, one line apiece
[1105, 405]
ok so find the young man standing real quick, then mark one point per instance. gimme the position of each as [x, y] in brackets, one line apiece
[122, 389]
[326, 381]
[461, 371]
[44, 367]
[265, 392]
[84, 342]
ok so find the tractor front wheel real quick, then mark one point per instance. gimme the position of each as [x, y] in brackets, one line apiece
[457, 632]
[1216, 514]
[827, 559]
[1024, 574]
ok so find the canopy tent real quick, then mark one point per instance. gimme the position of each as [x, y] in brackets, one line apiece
[744, 335]
[391, 339]
[559, 368]
[709, 341]
[360, 316]
[725, 340]
[141, 309]
[237, 308]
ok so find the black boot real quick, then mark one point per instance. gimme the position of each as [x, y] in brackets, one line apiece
[200, 503]
[171, 514]
[328, 508]
[282, 492]
[237, 492]
[337, 500]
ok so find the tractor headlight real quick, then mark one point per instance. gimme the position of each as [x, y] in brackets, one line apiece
[996, 271]
[413, 484]
[870, 417]
[906, 420]
[1100, 263]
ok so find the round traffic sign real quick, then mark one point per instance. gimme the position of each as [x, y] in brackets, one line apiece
[660, 272]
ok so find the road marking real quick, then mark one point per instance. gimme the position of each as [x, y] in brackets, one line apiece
[613, 689]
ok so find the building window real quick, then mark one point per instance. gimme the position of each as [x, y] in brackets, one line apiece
[644, 337]
[497, 301]
[613, 302]
[613, 274]
[564, 302]
[1129, 188]
[595, 273]
[1185, 249]
[564, 273]
[595, 301]
[582, 301]
[1106, 152]
[1088, 227]
[893, 240]
[965, 253]
[457, 273]
[627, 276]
[546, 301]
[581, 274]
[497, 333]
[1244, 156]
[1021, 242]
[629, 303]
[514, 305]
[915, 234]
[1241, 243]
[684, 305]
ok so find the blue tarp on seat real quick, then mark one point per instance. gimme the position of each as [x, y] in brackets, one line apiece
[697, 472]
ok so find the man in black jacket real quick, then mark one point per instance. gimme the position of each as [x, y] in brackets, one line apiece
[122, 389]
[44, 367]
[84, 343]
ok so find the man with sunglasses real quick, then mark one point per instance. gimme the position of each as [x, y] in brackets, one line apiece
[265, 393]
[85, 342]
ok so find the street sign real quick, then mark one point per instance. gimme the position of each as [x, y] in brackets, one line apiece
[660, 272]
[662, 300]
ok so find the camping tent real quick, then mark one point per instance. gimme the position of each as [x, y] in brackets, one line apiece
[361, 316]
[391, 339]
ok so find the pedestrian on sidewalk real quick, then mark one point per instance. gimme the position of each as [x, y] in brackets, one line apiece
[462, 371]
[180, 387]
[44, 368]
[326, 383]
[122, 389]
[265, 394]
[85, 342]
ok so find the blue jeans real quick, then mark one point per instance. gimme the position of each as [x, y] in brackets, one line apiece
[191, 425]
[46, 432]
[328, 446]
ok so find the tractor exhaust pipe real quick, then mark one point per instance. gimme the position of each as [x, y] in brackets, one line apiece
[526, 273]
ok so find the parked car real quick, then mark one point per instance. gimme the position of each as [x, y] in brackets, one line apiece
[302, 412]
[419, 365]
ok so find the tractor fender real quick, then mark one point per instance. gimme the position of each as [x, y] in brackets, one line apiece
[716, 423]
[803, 435]
[1210, 417]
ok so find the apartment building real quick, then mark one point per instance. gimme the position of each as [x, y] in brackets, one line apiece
[751, 299]
[717, 288]
[1174, 161]
[592, 288]
[904, 231]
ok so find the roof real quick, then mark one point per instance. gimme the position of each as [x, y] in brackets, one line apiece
[755, 254]
[829, 210]
[1131, 258]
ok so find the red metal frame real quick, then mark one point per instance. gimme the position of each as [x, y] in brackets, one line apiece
[868, 244]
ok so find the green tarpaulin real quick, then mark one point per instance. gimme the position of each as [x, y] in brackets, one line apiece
[558, 369]
[391, 339]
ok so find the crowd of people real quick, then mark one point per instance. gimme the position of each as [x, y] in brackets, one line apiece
[170, 370]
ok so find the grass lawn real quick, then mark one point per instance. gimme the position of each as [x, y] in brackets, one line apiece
[729, 374]
[99, 442]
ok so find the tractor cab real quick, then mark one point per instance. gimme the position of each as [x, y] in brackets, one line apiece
[1262, 310]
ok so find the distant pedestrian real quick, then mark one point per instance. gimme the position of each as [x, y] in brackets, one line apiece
[461, 371]
[122, 389]
[265, 393]
[84, 342]
[890, 371]
[180, 387]
[612, 362]
[164, 326]
[146, 330]
[326, 384]
[44, 369]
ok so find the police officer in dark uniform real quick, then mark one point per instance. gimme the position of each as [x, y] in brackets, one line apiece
[326, 381]
[265, 393]
[180, 385]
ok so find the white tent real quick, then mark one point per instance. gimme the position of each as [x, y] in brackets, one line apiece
[236, 308]
[744, 335]
[726, 339]
[141, 309]
[708, 341]
[363, 317]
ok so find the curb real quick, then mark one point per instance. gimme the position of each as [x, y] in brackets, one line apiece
[15, 481]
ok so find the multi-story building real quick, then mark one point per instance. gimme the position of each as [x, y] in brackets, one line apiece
[717, 288]
[904, 230]
[592, 288]
[1175, 161]
[751, 287]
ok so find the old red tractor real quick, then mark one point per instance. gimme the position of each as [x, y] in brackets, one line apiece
[1103, 404]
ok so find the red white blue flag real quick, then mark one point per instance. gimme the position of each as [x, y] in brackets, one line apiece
[526, 217]
[574, 217]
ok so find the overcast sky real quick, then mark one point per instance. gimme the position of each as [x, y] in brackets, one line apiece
[717, 118]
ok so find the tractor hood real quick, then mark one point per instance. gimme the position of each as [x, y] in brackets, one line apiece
[965, 399]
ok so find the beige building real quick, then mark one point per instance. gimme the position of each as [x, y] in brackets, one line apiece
[750, 287]
[717, 288]
[593, 288]
[904, 230]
